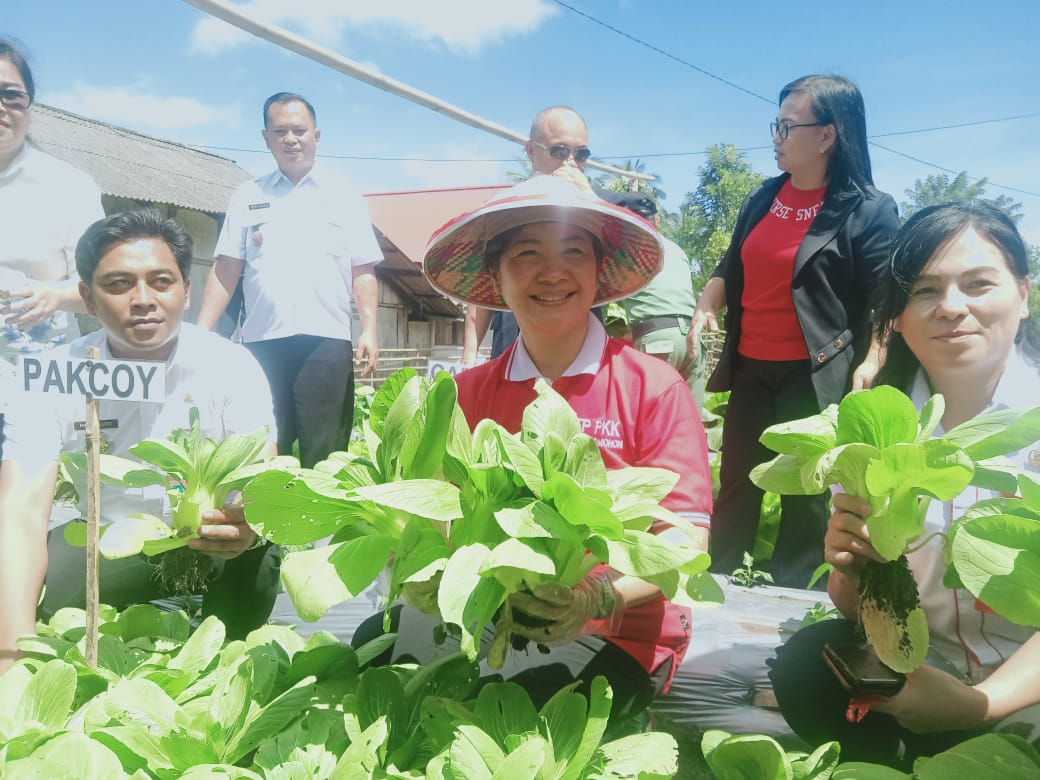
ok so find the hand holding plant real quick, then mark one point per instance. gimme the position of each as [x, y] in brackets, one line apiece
[564, 614]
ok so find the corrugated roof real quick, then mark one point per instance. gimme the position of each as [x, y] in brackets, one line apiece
[132, 165]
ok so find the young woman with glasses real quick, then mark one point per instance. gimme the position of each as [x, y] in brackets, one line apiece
[808, 247]
[45, 205]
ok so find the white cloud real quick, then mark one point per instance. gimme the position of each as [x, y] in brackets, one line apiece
[462, 25]
[133, 108]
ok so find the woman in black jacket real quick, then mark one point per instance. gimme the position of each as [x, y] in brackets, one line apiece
[808, 248]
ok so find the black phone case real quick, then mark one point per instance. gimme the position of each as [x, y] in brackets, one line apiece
[860, 671]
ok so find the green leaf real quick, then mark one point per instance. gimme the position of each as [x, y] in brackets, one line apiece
[270, 719]
[581, 507]
[467, 599]
[801, 438]
[642, 554]
[998, 474]
[47, 697]
[505, 709]
[380, 695]
[1029, 488]
[429, 498]
[547, 414]
[600, 699]
[361, 759]
[387, 394]
[649, 755]
[525, 761]
[199, 651]
[474, 755]
[997, 558]
[145, 620]
[296, 508]
[931, 415]
[820, 764]
[127, 536]
[523, 460]
[514, 553]
[69, 756]
[641, 483]
[856, 770]
[564, 716]
[879, 417]
[745, 756]
[359, 561]
[399, 417]
[423, 458]
[169, 457]
[997, 433]
[783, 475]
[585, 462]
[1002, 755]
[312, 582]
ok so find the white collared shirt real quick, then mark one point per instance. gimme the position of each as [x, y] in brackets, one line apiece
[521, 367]
[299, 244]
[975, 640]
[219, 378]
[45, 205]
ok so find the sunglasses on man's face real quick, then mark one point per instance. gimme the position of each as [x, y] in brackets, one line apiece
[562, 152]
[15, 98]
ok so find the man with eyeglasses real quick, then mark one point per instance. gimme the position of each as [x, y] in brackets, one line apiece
[559, 137]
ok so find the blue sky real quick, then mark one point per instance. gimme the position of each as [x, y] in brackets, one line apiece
[162, 67]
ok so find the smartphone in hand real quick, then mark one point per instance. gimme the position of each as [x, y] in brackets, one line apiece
[860, 671]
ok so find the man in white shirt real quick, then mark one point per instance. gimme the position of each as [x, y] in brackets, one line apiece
[305, 244]
[135, 278]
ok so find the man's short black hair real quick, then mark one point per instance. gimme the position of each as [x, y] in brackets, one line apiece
[289, 97]
[128, 226]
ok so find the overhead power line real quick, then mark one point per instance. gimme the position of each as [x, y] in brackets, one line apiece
[746, 91]
[287, 40]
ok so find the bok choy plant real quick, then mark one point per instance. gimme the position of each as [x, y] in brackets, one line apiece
[198, 474]
[470, 517]
[876, 446]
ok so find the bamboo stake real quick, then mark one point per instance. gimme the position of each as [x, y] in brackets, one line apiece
[93, 435]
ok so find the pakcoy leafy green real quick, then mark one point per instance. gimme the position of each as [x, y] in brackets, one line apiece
[163, 704]
[470, 517]
[876, 446]
[194, 469]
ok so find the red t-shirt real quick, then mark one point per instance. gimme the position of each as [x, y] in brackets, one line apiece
[769, 328]
[641, 413]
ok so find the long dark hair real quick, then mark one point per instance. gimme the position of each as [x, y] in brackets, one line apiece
[9, 51]
[913, 246]
[837, 101]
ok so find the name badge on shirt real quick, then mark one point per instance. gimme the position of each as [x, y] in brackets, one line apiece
[255, 206]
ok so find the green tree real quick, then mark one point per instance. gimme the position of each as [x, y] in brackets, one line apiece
[940, 188]
[619, 183]
[706, 217]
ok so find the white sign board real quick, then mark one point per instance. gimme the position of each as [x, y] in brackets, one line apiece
[118, 380]
[451, 366]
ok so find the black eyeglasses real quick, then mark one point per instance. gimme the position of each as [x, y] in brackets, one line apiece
[15, 98]
[781, 129]
[563, 152]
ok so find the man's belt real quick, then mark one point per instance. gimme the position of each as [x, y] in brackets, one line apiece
[640, 329]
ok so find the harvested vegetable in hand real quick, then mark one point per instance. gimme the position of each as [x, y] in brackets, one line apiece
[469, 518]
[876, 446]
[197, 472]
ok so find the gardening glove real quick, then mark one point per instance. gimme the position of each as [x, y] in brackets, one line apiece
[559, 615]
[423, 595]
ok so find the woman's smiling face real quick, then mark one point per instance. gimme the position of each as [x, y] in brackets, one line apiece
[964, 308]
[548, 276]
